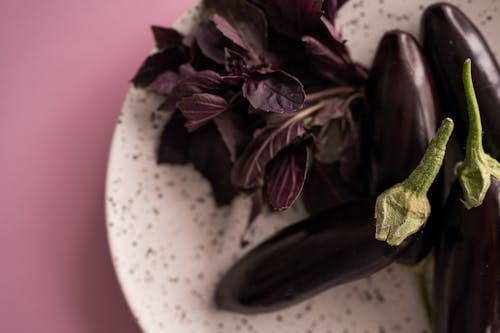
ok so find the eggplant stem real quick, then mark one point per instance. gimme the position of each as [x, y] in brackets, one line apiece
[421, 179]
[419, 274]
[474, 173]
[475, 133]
[404, 208]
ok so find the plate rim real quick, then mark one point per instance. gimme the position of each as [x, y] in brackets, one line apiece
[186, 15]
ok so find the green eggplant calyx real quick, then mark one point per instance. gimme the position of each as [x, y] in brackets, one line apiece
[400, 213]
[494, 166]
[404, 208]
[475, 172]
[475, 180]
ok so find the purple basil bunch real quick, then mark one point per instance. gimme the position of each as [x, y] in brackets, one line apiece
[263, 96]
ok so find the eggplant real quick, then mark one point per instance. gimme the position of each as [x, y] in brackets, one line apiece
[467, 266]
[401, 119]
[449, 37]
[306, 258]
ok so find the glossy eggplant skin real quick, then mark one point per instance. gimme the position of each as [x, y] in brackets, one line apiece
[402, 117]
[304, 259]
[467, 266]
[449, 37]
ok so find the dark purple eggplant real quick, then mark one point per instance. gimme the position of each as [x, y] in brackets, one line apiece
[467, 266]
[449, 37]
[401, 118]
[306, 258]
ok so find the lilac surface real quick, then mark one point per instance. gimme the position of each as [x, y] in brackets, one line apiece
[65, 71]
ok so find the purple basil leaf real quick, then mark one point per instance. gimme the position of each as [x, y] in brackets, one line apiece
[341, 3]
[211, 157]
[294, 18]
[275, 91]
[173, 147]
[331, 7]
[235, 63]
[189, 40]
[324, 188]
[309, 14]
[327, 63]
[166, 38]
[275, 58]
[228, 30]
[329, 144]
[351, 150]
[274, 119]
[212, 42]
[199, 109]
[331, 37]
[289, 56]
[287, 173]
[165, 83]
[249, 169]
[201, 62]
[234, 128]
[246, 19]
[253, 111]
[257, 206]
[200, 82]
[158, 63]
[232, 80]
[338, 137]
[186, 70]
[334, 109]
[258, 3]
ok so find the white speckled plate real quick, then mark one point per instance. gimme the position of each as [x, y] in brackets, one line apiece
[170, 244]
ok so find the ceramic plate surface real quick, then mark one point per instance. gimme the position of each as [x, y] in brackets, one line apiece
[170, 244]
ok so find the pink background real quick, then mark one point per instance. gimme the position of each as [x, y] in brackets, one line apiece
[64, 71]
